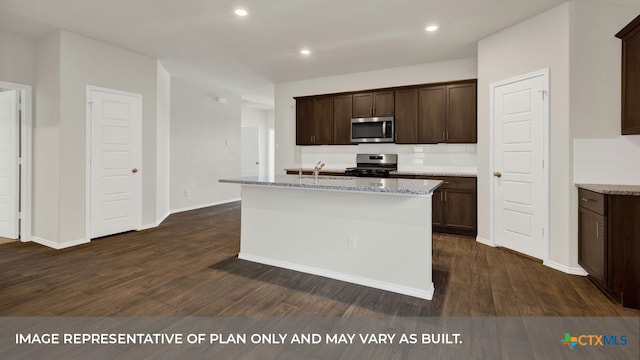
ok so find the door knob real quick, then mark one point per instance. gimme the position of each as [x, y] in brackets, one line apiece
[134, 170]
[497, 174]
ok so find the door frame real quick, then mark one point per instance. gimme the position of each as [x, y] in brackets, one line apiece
[545, 156]
[88, 149]
[26, 139]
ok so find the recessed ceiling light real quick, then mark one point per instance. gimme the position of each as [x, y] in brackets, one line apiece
[241, 12]
[305, 52]
[431, 28]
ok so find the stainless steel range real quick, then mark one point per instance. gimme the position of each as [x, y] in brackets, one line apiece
[373, 165]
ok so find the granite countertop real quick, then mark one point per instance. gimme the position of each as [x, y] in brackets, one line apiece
[462, 172]
[323, 170]
[631, 190]
[344, 183]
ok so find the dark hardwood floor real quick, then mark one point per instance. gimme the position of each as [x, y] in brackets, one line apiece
[188, 266]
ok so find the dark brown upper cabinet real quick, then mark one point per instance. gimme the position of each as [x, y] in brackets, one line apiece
[630, 36]
[305, 121]
[314, 120]
[373, 103]
[342, 110]
[442, 113]
[432, 117]
[406, 116]
[424, 114]
[461, 113]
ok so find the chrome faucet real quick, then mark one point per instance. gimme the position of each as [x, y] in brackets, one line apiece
[316, 170]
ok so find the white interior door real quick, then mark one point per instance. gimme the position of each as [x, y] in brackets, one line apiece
[250, 158]
[519, 186]
[116, 179]
[9, 186]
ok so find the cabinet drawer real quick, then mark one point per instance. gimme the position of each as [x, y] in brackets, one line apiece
[592, 201]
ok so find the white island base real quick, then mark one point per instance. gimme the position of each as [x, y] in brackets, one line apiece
[380, 240]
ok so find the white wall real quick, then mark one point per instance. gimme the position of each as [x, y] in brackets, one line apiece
[46, 140]
[601, 154]
[163, 139]
[596, 57]
[66, 64]
[576, 41]
[85, 61]
[534, 44]
[607, 161]
[205, 145]
[288, 155]
[18, 60]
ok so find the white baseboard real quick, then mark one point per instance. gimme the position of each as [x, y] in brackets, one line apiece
[56, 245]
[565, 269]
[154, 225]
[485, 241]
[196, 207]
[419, 293]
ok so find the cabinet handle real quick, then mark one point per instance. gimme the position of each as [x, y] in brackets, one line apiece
[443, 135]
[445, 196]
[587, 200]
[441, 199]
[597, 229]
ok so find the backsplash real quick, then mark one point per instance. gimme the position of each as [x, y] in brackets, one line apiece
[607, 161]
[452, 157]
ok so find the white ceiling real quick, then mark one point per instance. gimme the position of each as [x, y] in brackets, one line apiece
[203, 41]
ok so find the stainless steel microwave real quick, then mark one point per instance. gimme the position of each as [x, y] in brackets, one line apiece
[372, 130]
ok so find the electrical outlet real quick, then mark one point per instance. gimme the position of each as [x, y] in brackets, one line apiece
[352, 242]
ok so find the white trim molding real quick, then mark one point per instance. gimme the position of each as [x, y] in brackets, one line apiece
[156, 224]
[484, 241]
[202, 206]
[59, 246]
[564, 268]
[405, 290]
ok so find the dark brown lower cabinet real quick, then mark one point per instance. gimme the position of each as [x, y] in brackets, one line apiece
[593, 244]
[609, 244]
[454, 205]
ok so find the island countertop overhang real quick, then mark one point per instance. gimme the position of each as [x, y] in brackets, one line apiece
[392, 186]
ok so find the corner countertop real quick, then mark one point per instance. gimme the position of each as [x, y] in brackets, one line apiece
[631, 190]
[409, 187]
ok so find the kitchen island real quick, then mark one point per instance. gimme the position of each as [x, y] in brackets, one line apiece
[369, 231]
